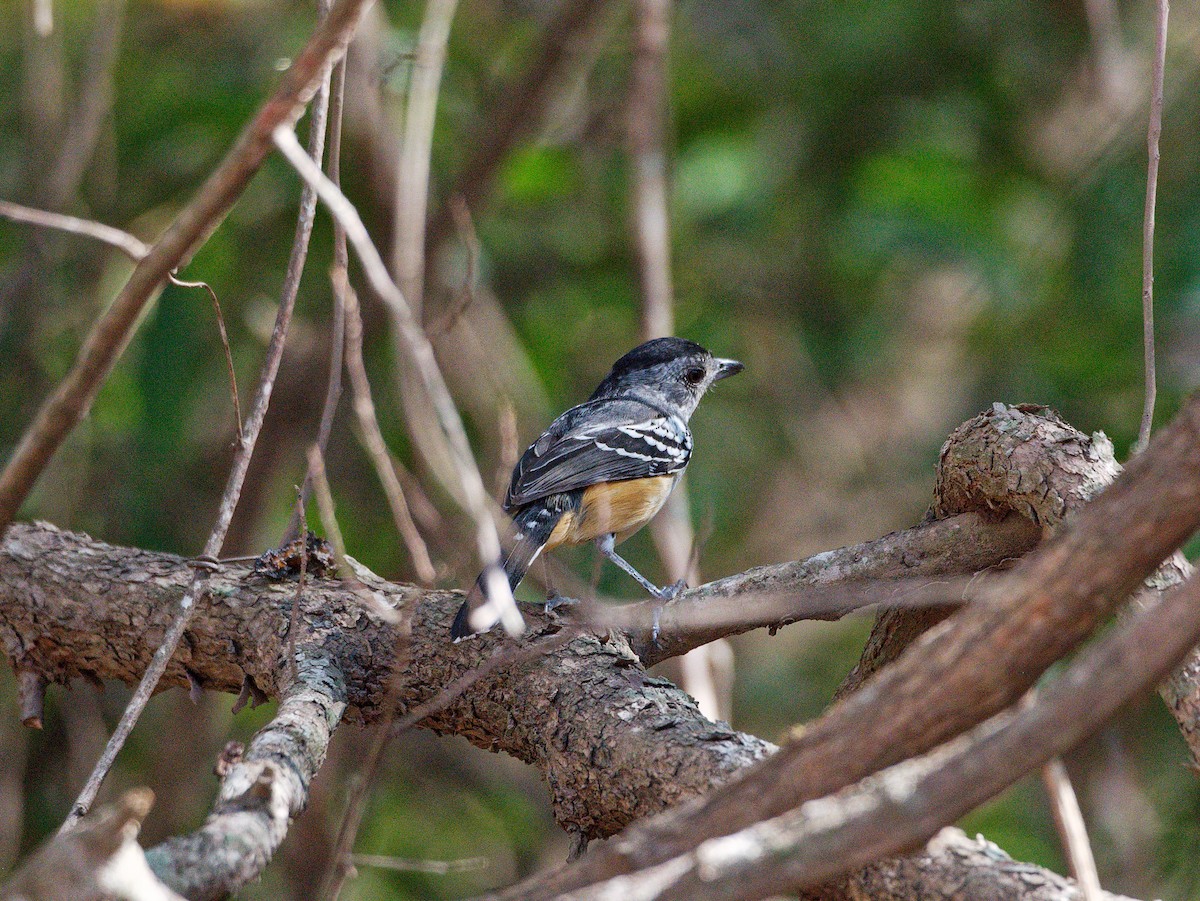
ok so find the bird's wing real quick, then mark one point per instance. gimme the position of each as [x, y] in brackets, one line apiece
[600, 441]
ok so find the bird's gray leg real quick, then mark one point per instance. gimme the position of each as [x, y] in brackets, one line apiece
[553, 598]
[606, 544]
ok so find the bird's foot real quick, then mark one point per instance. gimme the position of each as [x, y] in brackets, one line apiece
[557, 600]
[668, 593]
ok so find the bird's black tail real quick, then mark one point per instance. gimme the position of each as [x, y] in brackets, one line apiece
[534, 525]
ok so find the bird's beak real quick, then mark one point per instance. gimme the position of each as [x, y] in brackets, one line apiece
[726, 368]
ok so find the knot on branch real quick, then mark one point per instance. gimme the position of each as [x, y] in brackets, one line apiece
[1021, 459]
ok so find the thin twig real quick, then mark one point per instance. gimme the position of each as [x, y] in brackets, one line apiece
[1154, 132]
[75, 143]
[294, 620]
[466, 294]
[415, 345]
[112, 331]
[340, 866]
[510, 447]
[1068, 818]
[516, 110]
[674, 538]
[412, 865]
[412, 179]
[31, 695]
[504, 655]
[86, 120]
[237, 471]
[337, 323]
[347, 568]
[371, 436]
[646, 126]
[136, 250]
[233, 388]
[316, 466]
[132, 247]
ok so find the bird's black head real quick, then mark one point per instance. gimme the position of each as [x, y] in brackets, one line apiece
[673, 372]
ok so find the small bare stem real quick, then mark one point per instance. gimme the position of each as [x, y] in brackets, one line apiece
[1072, 829]
[294, 620]
[132, 247]
[233, 388]
[1154, 132]
[371, 437]
[112, 331]
[412, 181]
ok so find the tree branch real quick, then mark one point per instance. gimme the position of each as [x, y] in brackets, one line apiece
[958, 675]
[904, 805]
[262, 790]
[586, 714]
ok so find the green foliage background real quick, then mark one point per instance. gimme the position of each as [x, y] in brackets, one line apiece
[896, 212]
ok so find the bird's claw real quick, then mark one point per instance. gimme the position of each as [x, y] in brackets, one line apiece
[557, 600]
[668, 593]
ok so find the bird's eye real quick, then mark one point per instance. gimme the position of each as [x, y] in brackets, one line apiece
[694, 376]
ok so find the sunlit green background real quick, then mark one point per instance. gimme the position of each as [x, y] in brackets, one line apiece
[895, 212]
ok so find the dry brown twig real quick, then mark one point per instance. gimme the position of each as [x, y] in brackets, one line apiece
[1072, 830]
[371, 436]
[131, 246]
[646, 126]
[337, 328]
[516, 111]
[233, 388]
[410, 865]
[466, 294]
[136, 250]
[340, 864]
[1153, 133]
[412, 178]
[348, 568]
[298, 597]
[73, 150]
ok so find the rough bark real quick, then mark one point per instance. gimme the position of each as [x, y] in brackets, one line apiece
[1024, 462]
[586, 714]
[828, 585]
[263, 788]
[954, 867]
[961, 672]
[903, 806]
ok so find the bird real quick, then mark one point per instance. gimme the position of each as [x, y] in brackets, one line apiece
[604, 468]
